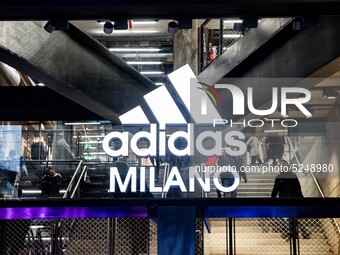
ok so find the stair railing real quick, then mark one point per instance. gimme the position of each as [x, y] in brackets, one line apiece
[165, 177]
[70, 185]
[76, 188]
[314, 179]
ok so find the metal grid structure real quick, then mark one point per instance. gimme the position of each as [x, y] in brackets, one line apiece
[215, 242]
[323, 237]
[139, 236]
[41, 182]
[271, 236]
[262, 236]
[85, 236]
[153, 248]
[132, 236]
[27, 237]
[199, 236]
[217, 35]
[229, 35]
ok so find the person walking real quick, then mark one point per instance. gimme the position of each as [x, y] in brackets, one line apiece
[287, 185]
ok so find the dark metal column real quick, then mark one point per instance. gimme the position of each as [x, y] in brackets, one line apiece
[230, 236]
[176, 230]
[112, 232]
[2, 236]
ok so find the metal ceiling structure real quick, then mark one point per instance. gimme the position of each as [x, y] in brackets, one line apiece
[74, 65]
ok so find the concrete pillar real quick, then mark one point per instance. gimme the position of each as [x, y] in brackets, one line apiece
[186, 47]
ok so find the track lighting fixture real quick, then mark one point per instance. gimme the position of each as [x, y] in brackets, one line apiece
[172, 27]
[54, 24]
[108, 27]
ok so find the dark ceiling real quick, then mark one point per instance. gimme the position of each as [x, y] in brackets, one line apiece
[162, 9]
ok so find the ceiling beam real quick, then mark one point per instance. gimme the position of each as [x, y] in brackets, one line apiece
[74, 65]
[21, 103]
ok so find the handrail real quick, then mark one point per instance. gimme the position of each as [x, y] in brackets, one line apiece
[50, 161]
[73, 177]
[78, 182]
[315, 180]
[165, 177]
[206, 224]
[298, 161]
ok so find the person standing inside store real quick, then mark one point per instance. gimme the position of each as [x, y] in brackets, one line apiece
[254, 152]
[275, 148]
[287, 185]
[38, 149]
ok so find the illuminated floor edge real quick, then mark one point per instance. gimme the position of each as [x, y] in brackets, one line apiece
[142, 208]
[72, 212]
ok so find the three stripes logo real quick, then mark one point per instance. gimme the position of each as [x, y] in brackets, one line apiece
[200, 106]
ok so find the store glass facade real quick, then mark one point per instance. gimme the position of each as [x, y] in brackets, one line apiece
[229, 145]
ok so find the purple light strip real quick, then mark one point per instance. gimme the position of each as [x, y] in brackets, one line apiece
[73, 212]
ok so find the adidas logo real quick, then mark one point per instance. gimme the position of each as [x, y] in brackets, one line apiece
[188, 91]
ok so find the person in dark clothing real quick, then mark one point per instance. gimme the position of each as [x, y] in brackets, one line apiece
[287, 185]
[38, 149]
[275, 148]
[51, 184]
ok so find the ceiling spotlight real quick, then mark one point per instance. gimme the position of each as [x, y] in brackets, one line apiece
[121, 24]
[247, 22]
[250, 22]
[53, 24]
[330, 93]
[49, 27]
[108, 28]
[184, 23]
[301, 23]
[310, 22]
[172, 27]
[238, 27]
[298, 25]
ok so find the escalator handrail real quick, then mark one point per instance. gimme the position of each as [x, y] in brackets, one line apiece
[78, 182]
[69, 187]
